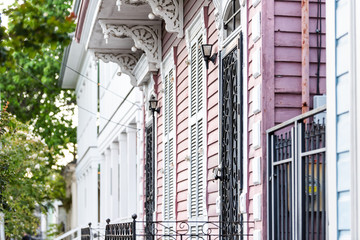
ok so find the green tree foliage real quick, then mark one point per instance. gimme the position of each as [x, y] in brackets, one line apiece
[31, 50]
[29, 177]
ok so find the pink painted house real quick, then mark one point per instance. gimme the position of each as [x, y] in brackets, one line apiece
[207, 154]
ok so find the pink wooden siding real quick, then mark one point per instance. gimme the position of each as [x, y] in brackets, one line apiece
[280, 78]
[191, 10]
[287, 33]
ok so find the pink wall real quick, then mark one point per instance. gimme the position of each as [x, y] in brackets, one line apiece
[280, 79]
[191, 10]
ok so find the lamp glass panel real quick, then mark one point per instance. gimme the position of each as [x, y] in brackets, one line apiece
[206, 50]
[153, 104]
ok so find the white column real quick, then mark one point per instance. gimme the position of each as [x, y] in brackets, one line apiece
[123, 176]
[107, 182]
[140, 157]
[84, 198]
[114, 148]
[74, 206]
[92, 201]
[131, 160]
[102, 189]
[80, 205]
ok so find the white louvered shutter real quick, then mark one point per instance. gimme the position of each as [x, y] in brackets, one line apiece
[169, 178]
[196, 127]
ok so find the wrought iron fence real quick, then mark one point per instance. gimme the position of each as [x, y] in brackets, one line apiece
[86, 233]
[296, 171]
[171, 230]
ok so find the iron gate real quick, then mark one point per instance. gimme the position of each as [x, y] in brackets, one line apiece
[231, 132]
[296, 168]
[149, 173]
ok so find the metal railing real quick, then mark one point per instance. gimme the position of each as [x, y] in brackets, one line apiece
[70, 235]
[171, 230]
[296, 177]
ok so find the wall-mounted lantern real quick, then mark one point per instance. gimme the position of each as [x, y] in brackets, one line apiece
[206, 50]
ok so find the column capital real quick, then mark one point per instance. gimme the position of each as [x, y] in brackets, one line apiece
[131, 128]
[114, 146]
[122, 137]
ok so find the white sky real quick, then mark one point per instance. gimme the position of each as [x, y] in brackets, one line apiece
[4, 4]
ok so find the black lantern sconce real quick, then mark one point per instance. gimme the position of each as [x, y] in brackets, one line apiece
[206, 52]
[153, 105]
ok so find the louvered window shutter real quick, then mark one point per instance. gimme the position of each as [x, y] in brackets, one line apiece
[196, 191]
[197, 77]
[169, 180]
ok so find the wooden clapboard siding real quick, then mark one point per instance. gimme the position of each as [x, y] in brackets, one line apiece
[280, 78]
[170, 40]
[287, 33]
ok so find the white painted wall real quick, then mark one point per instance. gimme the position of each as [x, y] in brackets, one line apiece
[343, 103]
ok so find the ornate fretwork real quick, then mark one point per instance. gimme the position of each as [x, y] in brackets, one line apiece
[146, 38]
[125, 61]
[230, 144]
[172, 13]
[169, 10]
[150, 180]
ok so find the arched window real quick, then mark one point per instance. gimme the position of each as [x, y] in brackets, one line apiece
[232, 17]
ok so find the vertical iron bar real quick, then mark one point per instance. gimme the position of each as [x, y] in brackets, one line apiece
[323, 137]
[317, 183]
[281, 213]
[134, 216]
[323, 198]
[272, 149]
[306, 179]
[296, 176]
[286, 201]
[276, 177]
[312, 137]
[234, 17]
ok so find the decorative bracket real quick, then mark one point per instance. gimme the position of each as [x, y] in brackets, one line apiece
[172, 13]
[126, 62]
[169, 10]
[146, 38]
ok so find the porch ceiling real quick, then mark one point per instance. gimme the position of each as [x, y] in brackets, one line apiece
[108, 12]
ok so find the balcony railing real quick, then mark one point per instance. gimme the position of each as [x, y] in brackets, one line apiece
[296, 177]
[169, 230]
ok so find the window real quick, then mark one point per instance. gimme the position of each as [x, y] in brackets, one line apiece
[232, 18]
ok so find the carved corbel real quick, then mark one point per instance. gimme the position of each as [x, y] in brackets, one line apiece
[172, 13]
[126, 62]
[145, 37]
[169, 10]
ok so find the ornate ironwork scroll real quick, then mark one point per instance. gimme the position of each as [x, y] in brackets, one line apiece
[182, 230]
[230, 144]
[150, 181]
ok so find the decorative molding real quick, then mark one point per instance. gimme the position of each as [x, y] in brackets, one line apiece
[217, 13]
[119, 3]
[169, 10]
[143, 70]
[172, 13]
[126, 62]
[146, 38]
[197, 25]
